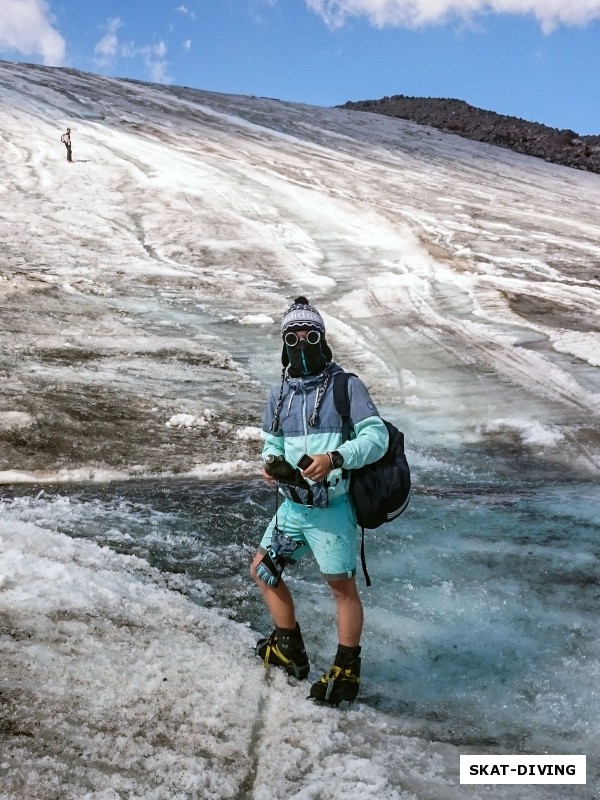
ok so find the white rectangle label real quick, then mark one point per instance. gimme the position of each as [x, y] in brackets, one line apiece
[522, 769]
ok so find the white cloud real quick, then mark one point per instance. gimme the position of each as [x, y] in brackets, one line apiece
[26, 27]
[187, 45]
[155, 57]
[417, 13]
[110, 48]
[107, 49]
[185, 11]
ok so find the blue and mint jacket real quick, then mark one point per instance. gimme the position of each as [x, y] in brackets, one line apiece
[295, 435]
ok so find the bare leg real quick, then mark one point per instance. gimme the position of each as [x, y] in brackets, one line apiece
[349, 611]
[278, 600]
[343, 679]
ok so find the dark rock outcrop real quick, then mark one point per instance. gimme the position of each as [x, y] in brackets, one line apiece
[455, 116]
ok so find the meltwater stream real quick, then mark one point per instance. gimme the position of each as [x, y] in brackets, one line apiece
[481, 624]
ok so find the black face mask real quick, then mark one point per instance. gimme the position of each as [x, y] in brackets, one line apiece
[305, 358]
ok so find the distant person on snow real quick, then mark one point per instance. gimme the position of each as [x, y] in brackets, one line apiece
[66, 140]
[317, 514]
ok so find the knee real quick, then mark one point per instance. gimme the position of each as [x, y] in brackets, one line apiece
[344, 589]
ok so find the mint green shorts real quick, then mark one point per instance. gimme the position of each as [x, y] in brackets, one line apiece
[329, 533]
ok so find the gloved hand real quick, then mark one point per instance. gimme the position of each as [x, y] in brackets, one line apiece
[283, 472]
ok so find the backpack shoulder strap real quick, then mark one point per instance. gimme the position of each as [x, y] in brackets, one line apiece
[341, 401]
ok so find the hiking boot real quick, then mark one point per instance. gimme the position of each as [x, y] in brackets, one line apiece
[285, 648]
[342, 680]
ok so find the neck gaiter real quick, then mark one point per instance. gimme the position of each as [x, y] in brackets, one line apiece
[306, 359]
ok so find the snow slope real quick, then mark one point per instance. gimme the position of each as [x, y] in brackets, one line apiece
[462, 280]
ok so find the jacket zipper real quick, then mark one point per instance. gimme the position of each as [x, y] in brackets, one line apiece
[304, 419]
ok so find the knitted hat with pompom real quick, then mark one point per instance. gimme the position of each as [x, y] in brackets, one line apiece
[302, 316]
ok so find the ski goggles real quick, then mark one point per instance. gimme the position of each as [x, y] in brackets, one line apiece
[292, 339]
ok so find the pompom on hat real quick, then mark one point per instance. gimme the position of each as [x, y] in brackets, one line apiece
[302, 316]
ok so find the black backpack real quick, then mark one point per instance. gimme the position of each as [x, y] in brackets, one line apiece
[380, 491]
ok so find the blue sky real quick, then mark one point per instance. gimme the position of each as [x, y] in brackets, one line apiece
[540, 62]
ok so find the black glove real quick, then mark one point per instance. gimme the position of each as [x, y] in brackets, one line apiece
[280, 469]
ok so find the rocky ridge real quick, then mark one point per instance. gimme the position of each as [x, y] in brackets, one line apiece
[456, 116]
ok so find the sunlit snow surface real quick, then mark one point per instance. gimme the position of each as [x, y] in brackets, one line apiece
[140, 291]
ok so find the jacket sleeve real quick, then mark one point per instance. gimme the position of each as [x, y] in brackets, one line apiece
[370, 438]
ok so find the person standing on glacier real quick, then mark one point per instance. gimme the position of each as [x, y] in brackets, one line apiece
[317, 514]
[66, 140]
